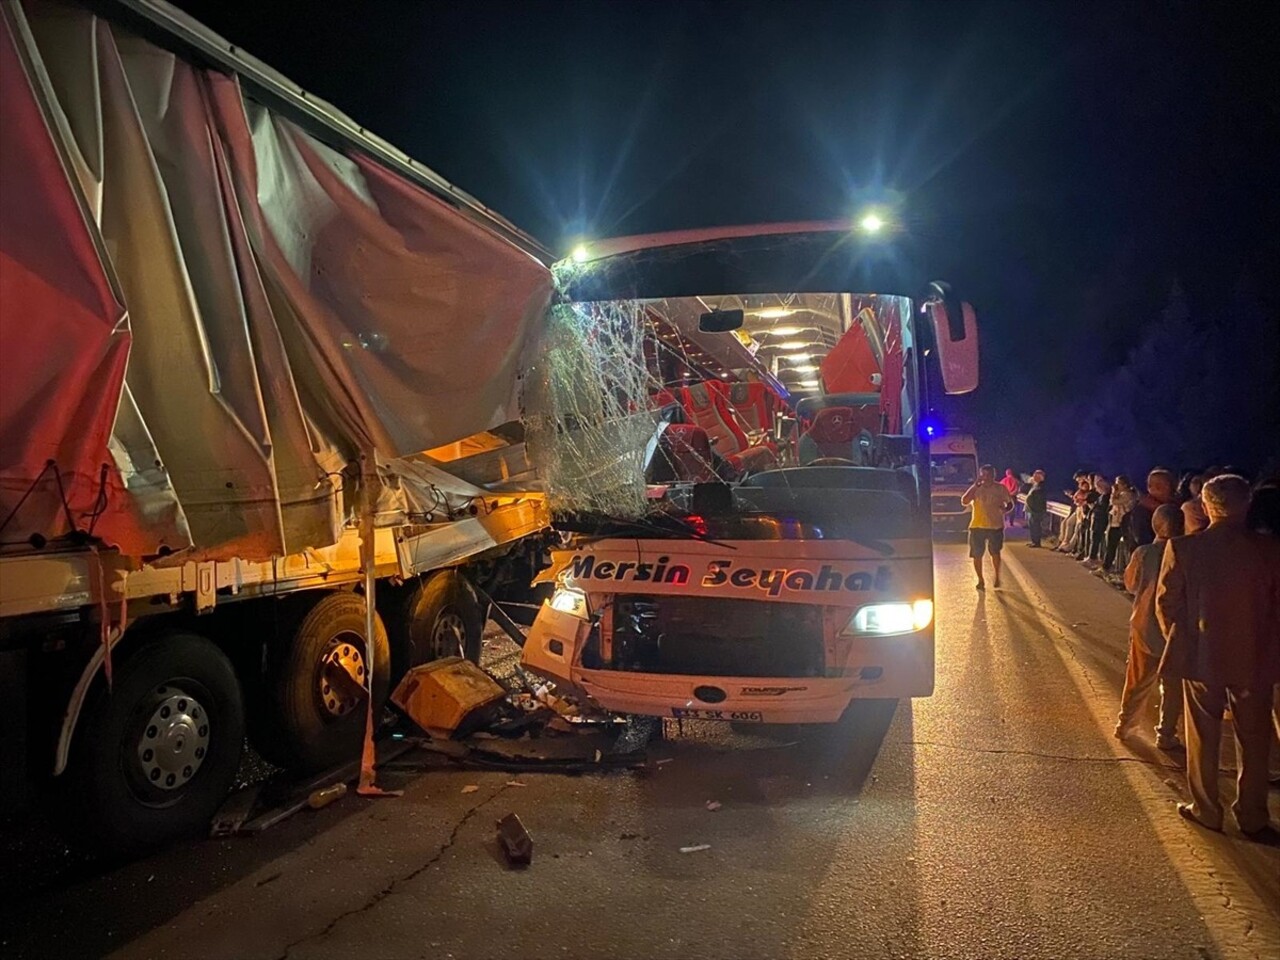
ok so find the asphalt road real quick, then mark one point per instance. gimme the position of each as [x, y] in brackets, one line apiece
[996, 819]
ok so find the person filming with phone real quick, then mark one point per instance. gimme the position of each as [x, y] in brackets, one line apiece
[989, 501]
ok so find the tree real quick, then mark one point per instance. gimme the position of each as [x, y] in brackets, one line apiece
[1190, 393]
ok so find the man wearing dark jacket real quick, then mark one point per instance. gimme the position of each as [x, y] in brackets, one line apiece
[1218, 604]
[1085, 541]
[1098, 520]
[1037, 508]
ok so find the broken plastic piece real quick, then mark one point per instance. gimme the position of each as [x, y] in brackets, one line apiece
[515, 841]
[441, 696]
[696, 848]
[326, 795]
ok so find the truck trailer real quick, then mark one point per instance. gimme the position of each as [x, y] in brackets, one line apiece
[259, 432]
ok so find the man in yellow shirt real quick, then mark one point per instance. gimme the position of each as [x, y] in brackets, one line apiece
[990, 502]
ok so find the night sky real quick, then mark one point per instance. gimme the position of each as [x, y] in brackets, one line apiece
[1067, 161]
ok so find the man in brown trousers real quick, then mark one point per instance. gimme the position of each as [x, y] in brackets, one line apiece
[1218, 602]
[1146, 640]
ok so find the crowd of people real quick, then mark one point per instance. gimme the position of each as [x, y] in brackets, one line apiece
[1201, 557]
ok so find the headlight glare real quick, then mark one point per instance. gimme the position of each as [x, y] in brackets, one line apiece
[887, 619]
[570, 601]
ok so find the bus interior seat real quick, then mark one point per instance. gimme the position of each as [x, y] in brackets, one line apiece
[709, 409]
[753, 459]
[683, 455]
[755, 403]
[838, 432]
[808, 408]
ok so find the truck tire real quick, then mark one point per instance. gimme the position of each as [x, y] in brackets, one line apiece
[443, 619]
[314, 704]
[153, 759]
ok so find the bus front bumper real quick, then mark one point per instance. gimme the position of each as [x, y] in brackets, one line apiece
[869, 668]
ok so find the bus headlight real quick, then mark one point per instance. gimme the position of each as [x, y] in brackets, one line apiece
[887, 619]
[571, 601]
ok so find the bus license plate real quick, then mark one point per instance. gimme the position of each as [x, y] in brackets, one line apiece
[736, 716]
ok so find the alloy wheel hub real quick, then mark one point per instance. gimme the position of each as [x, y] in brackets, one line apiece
[175, 740]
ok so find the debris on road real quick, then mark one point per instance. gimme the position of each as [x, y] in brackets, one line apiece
[470, 788]
[516, 783]
[515, 841]
[445, 696]
[527, 755]
[713, 805]
[326, 795]
[263, 805]
[696, 848]
[231, 818]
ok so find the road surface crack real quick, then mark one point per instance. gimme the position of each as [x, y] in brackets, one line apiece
[390, 888]
[1043, 756]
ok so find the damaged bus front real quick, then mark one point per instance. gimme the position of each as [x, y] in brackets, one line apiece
[747, 510]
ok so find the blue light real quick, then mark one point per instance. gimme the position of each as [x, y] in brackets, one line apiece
[931, 427]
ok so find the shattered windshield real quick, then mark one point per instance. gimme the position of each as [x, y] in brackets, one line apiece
[630, 405]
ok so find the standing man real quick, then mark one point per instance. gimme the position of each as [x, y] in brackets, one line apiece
[1159, 491]
[990, 502]
[1037, 508]
[1146, 642]
[1013, 485]
[1067, 533]
[1099, 517]
[1218, 601]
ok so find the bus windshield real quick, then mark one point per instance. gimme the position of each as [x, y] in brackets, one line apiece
[807, 410]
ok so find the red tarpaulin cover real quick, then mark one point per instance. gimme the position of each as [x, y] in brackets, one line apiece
[64, 335]
[280, 307]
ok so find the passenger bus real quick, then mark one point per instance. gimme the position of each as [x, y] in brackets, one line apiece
[783, 564]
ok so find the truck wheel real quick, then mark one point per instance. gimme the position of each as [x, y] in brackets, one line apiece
[443, 619]
[315, 687]
[153, 759]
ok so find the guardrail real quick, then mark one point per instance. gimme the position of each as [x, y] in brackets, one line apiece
[1056, 509]
[1057, 512]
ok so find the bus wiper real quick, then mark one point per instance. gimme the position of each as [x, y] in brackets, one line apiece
[687, 530]
[695, 534]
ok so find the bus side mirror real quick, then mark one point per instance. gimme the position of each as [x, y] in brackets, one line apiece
[955, 333]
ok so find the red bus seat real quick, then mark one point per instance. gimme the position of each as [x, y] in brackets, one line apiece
[754, 459]
[708, 407]
[755, 403]
[683, 455]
